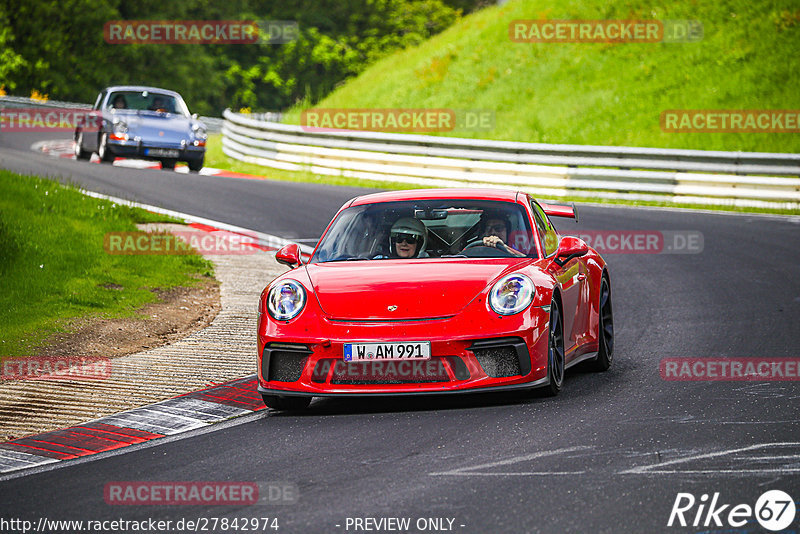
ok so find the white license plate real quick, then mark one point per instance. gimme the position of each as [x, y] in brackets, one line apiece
[163, 152]
[411, 350]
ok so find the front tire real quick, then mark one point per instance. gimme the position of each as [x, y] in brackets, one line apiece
[289, 404]
[605, 329]
[168, 164]
[196, 164]
[556, 359]
[103, 151]
[80, 153]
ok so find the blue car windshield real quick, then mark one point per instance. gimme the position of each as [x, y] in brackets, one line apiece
[428, 229]
[146, 101]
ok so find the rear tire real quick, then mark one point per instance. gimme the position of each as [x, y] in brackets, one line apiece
[556, 359]
[605, 329]
[289, 404]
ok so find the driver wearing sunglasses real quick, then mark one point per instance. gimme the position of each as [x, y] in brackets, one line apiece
[407, 238]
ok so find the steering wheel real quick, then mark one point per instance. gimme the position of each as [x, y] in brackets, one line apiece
[478, 243]
[479, 250]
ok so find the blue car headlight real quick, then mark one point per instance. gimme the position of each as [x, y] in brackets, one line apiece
[511, 294]
[286, 300]
[120, 127]
[200, 135]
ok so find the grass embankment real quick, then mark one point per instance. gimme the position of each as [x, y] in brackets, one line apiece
[598, 93]
[586, 93]
[53, 267]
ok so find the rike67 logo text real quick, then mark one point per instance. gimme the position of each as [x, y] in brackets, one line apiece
[774, 510]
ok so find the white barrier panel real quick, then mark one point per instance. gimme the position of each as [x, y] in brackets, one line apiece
[632, 173]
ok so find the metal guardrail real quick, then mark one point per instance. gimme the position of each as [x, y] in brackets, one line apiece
[214, 124]
[751, 179]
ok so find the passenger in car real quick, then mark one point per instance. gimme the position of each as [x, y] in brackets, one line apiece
[158, 105]
[408, 238]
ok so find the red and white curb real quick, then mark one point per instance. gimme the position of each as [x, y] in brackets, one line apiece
[65, 149]
[173, 416]
[266, 242]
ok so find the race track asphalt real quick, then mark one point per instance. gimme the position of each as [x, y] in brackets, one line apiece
[610, 454]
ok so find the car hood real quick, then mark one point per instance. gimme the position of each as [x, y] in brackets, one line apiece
[418, 289]
[150, 125]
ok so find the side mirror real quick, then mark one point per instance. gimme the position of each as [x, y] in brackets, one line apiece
[194, 116]
[570, 247]
[289, 255]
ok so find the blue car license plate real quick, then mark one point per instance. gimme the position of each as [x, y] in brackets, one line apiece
[162, 152]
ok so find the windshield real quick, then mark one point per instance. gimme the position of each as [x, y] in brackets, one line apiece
[427, 229]
[146, 101]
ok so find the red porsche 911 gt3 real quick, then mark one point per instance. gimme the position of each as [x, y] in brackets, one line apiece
[434, 291]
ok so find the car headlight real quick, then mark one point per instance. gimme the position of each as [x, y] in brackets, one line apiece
[286, 300]
[199, 131]
[200, 135]
[120, 127]
[511, 294]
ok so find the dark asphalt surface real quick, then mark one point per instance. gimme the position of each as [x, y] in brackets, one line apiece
[581, 462]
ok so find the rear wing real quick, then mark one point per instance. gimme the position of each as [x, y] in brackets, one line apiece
[559, 210]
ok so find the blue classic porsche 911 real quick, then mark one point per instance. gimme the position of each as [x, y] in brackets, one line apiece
[143, 123]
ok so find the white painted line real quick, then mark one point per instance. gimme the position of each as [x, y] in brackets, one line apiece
[776, 457]
[154, 424]
[199, 409]
[652, 468]
[769, 471]
[14, 460]
[521, 473]
[469, 471]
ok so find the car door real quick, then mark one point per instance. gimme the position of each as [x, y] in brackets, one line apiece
[571, 277]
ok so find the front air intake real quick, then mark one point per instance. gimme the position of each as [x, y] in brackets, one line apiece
[502, 357]
[284, 363]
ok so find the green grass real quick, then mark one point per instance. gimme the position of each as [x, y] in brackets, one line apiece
[53, 267]
[598, 93]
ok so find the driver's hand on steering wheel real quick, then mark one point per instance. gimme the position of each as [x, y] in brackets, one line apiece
[492, 241]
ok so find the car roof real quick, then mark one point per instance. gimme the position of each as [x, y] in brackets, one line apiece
[140, 88]
[507, 195]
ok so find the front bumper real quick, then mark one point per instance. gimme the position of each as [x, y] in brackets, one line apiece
[139, 149]
[499, 354]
